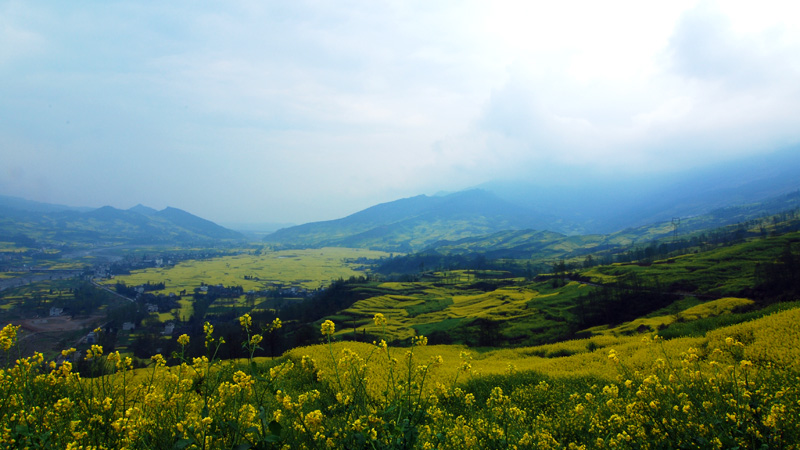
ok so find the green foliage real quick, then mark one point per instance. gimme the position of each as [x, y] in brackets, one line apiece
[428, 305]
[699, 327]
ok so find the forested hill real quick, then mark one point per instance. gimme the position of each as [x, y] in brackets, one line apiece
[479, 221]
[548, 245]
[47, 224]
[604, 205]
[413, 223]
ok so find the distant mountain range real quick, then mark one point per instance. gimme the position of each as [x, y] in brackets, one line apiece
[535, 217]
[608, 204]
[413, 223]
[499, 218]
[46, 223]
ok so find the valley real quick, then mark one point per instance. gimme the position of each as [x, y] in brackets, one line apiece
[467, 306]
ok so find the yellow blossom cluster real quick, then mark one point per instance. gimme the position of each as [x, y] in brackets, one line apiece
[725, 391]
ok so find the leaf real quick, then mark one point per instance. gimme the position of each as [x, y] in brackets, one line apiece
[182, 444]
[275, 428]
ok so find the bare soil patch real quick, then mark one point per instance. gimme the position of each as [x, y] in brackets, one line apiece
[61, 323]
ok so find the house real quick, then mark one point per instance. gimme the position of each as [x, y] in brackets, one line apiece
[128, 326]
[55, 312]
[169, 327]
[151, 308]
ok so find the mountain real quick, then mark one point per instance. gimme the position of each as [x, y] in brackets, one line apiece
[626, 210]
[609, 204]
[143, 210]
[551, 246]
[196, 225]
[54, 224]
[413, 223]
[14, 204]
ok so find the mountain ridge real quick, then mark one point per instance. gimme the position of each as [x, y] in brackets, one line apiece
[140, 224]
[412, 223]
[600, 206]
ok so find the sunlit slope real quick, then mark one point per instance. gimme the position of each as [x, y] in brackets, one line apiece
[307, 269]
[517, 314]
[310, 269]
[724, 271]
[775, 337]
[529, 313]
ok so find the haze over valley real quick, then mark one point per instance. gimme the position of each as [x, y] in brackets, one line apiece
[415, 225]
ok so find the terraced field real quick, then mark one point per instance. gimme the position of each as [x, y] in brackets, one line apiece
[307, 269]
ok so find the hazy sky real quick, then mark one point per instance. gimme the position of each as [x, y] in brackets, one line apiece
[295, 111]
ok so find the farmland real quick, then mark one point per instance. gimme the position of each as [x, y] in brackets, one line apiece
[305, 270]
[309, 269]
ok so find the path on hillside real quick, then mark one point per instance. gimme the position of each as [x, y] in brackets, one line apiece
[109, 290]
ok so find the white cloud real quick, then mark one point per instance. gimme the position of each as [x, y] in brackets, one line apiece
[313, 110]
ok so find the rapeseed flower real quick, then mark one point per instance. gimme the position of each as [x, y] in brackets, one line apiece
[183, 340]
[327, 328]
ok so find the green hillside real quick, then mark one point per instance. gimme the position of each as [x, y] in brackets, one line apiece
[527, 252]
[492, 308]
[110, 225]
[685, 342]
[413, 223]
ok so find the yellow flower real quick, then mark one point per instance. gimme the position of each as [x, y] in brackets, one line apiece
[242, 379]
[327, 328]
[246, 321]
[114, 357]
[276, 324]
[159, 360]
[469, 399]
[183, 339]
[314, 420]
[256, 339]
[379, 320]
[94, 352]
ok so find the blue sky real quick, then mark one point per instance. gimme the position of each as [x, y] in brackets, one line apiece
[258, 111]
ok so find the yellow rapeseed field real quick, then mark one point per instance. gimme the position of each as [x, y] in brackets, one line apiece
[738, 386]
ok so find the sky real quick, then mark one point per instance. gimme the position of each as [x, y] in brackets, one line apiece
[299, 111]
